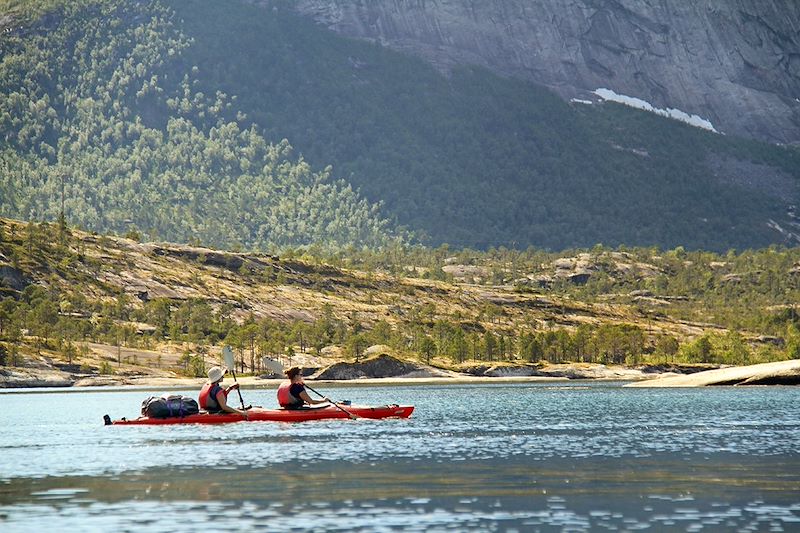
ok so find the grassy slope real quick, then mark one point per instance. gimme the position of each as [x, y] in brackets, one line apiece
[101, 267]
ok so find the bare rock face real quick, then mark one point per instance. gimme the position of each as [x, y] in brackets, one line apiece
[777, 373]
[11, 378]
[13, 278]
[470, 273]
[734, 63]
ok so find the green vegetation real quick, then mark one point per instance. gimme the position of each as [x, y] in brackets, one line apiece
[25, 11]
[632, 306]
[168, 119]
[94, 108]
[754, 290]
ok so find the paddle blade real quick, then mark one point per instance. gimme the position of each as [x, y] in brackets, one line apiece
[227, 356]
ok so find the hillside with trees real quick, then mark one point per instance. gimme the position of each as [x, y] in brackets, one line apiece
[169, 119]
[95, 113]
[80, 299]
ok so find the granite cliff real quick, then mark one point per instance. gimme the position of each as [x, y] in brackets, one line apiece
[735, 64]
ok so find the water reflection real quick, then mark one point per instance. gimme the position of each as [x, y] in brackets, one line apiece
[661, 494]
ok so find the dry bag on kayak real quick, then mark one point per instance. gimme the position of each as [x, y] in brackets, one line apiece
[169, 406]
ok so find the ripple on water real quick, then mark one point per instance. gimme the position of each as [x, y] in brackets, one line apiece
[475, 458]
[401, 515]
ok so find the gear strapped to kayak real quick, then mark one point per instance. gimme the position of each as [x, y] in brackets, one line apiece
[168, 406]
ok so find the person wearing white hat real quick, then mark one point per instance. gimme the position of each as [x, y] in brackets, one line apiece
[213, 396]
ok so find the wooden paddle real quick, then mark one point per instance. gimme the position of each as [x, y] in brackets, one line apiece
[227, 354]
[349, 413]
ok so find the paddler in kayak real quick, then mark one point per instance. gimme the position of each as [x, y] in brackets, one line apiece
[292, 394]
[213, 396]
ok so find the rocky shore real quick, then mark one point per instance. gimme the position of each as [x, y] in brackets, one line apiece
[381, 368]
[777, 373]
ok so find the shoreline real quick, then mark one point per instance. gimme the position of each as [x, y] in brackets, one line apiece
[21, 380]
[380, 371]
[250, 383]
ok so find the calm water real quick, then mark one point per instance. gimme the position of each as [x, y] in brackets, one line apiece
[568, 457]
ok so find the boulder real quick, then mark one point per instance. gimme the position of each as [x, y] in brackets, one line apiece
[642, 293]
[377, 349]
[580, 277]
[11, 378]
[331, 351]
[271, 367]
[13, 278]
[510, 371]
[467, 272]
[383, 366]
[475, 370]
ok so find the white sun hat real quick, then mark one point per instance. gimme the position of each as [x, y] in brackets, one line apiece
[215, 374]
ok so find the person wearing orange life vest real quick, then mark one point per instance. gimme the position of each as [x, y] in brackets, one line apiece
[292, 394]
[213, 396]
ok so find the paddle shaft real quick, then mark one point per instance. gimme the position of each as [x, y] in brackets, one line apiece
[237, 388]
[351, 415]
[227, 355]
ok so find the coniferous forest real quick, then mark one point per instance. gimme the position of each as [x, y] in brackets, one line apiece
[95, 108]
[240, 126]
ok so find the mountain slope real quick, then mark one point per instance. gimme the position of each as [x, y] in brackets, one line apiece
[734, 63]
[478, 160]
[169, 118]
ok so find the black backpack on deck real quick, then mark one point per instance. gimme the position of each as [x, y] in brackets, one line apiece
[167, 406]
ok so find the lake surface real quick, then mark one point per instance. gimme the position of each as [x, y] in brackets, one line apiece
[493, 457]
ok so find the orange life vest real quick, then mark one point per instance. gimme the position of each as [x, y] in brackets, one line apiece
[286, 398]
[208, 401]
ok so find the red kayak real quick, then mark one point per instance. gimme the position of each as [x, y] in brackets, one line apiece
[258, 414]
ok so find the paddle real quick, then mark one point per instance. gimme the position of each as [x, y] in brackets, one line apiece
[227, 354]
[351, 415]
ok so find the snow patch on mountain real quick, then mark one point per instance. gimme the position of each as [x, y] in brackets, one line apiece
[677, 114]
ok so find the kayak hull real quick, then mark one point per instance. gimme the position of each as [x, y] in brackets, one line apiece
[258, 414]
